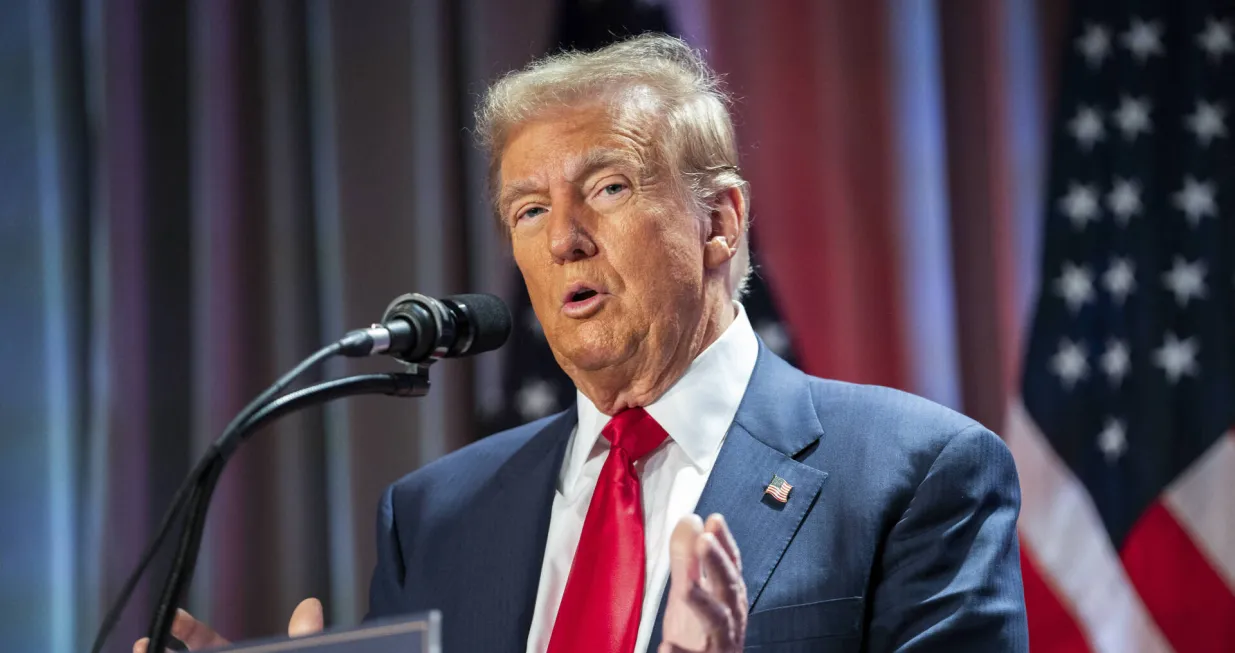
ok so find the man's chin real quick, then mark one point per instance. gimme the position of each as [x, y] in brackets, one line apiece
[592, 360]
[587, 355]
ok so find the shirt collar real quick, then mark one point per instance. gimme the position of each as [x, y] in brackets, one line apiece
[696, 411]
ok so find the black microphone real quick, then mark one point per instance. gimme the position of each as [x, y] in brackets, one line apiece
[415, 329]
[419, 330]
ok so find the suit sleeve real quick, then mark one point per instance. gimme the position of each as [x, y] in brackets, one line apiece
[387, 584]
[950, 576]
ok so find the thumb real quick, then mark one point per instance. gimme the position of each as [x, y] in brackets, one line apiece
[308, 618]
[682, 629]
[683, 560]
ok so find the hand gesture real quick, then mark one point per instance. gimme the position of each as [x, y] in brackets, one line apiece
[307, 619]
[706, 610]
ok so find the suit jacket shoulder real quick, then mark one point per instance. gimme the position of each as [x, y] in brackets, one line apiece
[884, 438]
[910, 542]
[458, 474]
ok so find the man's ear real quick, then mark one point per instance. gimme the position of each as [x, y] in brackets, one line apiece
[726, 222]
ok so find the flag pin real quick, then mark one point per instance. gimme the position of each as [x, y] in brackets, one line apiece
[779, 489]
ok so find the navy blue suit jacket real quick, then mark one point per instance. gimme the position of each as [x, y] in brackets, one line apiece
[899, 533]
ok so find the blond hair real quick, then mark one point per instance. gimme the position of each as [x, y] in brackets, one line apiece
[697, 141]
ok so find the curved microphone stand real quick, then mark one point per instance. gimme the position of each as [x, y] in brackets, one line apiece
[192, 499]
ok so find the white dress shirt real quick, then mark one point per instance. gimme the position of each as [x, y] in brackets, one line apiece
[696, 413]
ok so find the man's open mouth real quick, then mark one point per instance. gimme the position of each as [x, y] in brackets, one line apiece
[580, 291]
[581, 301]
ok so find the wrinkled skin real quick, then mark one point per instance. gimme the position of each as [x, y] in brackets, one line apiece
[587, 200]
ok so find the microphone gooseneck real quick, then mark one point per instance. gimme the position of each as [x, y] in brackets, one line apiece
[415, 329]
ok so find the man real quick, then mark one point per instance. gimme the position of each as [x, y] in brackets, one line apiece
[854, 518]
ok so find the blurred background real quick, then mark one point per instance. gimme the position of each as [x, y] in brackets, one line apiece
[1018, 208]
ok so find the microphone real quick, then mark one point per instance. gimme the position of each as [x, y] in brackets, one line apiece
[417, 329]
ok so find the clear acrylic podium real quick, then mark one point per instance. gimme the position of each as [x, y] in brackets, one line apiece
[417, 633]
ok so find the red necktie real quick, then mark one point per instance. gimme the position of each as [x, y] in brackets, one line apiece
[604, 593]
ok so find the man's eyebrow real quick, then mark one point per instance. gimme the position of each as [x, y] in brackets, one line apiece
[599, 158]
[514, 190]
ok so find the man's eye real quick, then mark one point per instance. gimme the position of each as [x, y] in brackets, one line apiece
[614, 189]
[530, 213]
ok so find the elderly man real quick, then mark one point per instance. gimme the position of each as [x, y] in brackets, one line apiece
[839, 517]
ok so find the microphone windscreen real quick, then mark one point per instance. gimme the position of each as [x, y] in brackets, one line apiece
[488, 318]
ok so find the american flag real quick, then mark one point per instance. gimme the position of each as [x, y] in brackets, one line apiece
[779, 489]
[533, 385]
[1122, 433]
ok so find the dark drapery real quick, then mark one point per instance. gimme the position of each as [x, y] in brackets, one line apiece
[198, 194]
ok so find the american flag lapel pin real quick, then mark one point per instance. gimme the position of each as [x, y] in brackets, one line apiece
[779, 489]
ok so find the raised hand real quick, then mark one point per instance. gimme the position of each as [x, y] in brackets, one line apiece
[706, 609]
[307, 619]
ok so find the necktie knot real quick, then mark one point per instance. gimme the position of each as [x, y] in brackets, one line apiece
[634, 431]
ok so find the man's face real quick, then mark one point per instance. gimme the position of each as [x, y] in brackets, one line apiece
[610, 251]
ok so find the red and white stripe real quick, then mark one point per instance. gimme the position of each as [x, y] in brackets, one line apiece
[1203, 501]
[1172, 586]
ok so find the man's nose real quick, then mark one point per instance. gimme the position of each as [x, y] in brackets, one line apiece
[570, 237]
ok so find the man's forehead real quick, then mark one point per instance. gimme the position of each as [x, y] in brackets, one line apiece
[576, 136]
[581, 161]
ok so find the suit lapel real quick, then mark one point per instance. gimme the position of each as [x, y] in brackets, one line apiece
[775, 422]
[508, 571]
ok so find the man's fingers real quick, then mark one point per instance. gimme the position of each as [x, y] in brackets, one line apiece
[308, 618]
[725, 581]
[717, 526]
[195, 634]
[715, 617]
[141, 645]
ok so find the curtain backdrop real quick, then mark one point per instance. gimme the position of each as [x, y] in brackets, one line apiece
[198, 194]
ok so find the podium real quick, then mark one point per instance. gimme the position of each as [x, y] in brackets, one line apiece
[417, 633]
